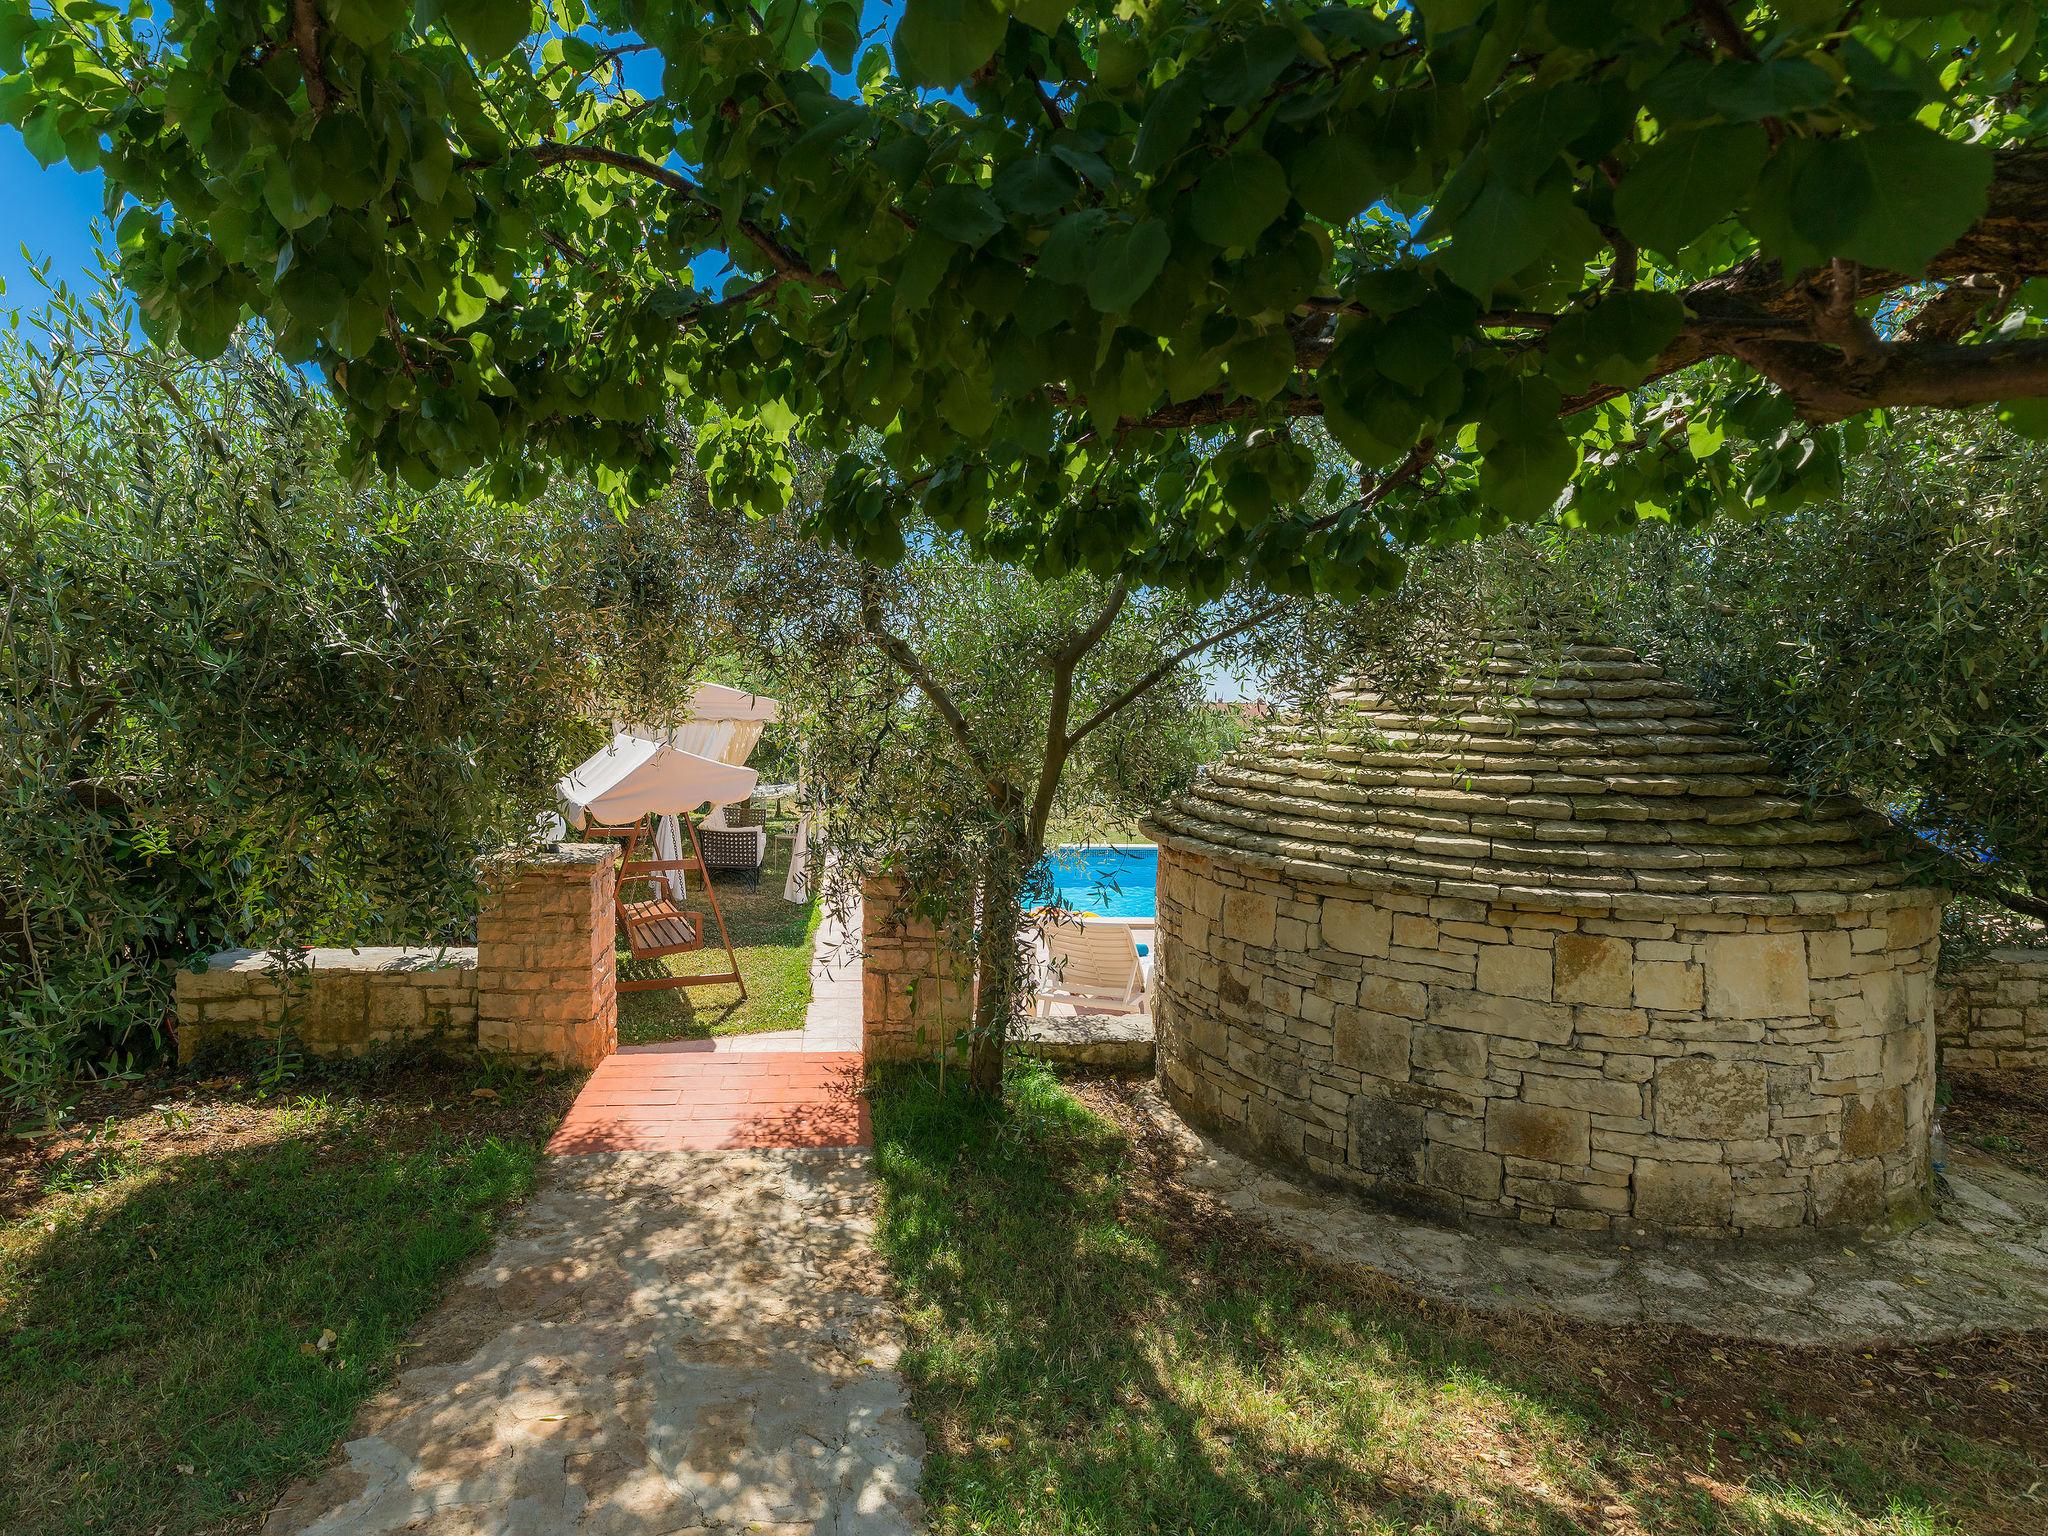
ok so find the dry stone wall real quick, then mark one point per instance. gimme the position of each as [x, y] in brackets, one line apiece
[1994, 1012]
[540, 984]
[352, 1000]
[1702, 1071]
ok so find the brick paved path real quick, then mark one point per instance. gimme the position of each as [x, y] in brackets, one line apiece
[684, 1331]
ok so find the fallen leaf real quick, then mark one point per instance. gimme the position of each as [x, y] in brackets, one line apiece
[483, 1093]
[328, 1339]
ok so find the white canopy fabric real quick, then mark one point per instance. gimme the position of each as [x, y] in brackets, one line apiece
[724, 723]
[636, 776]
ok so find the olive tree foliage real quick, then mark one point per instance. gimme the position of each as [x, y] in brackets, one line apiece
[949, 711]
[243, 703]
[1087, 266]
[1891, 642]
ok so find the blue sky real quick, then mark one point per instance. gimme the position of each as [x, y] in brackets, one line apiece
[51, 212]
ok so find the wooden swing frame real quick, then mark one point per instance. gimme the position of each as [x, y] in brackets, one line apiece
[657, 926]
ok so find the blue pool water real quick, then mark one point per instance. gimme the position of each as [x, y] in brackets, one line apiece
[1109, 880]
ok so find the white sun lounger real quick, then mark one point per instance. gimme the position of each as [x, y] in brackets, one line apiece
[1090, 963]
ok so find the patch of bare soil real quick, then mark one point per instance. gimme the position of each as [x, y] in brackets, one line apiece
[125, 1127]
[2003, 1113]
[1696, 1398]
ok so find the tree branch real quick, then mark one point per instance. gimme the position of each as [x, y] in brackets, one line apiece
[1165, 668]
[912, 665]
[784, 261]
[1064, 663]
[306, 30]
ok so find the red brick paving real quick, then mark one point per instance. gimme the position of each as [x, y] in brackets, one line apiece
[688, 1098]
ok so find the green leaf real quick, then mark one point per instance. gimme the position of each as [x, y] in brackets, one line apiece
[1743, 90]
[1171, 116]
[1525, 457]
[1125, 265]
[1503, 230]
[1925, 192]
[1238, 197]
[367, 23]
[942, 42]
[490, 29]
[1034, 184]
[839, 35]
[1261, 362]
[1687, 182]
[1614, 340]
[2029, 418]
[1068, 250]
[1334, 178]
[1041, 15]
[965, 215]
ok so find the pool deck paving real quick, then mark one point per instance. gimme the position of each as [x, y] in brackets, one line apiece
[684, 1332]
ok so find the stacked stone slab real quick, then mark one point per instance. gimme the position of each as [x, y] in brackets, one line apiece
[1993, 1014]
[547, 960]
[1555, 946]
[917, 977]
[349, 1001]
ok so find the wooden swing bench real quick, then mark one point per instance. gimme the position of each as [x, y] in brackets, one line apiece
[655, 926]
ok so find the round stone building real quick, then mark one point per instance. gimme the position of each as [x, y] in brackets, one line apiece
[1558, 948]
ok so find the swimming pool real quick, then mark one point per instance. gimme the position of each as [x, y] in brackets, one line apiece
[1107, 879]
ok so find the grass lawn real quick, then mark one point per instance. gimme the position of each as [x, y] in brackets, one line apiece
[773, 940]
[199, 1287]
[1094, 1350]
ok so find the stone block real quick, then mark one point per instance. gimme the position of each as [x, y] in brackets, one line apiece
[1595, 1095]
[1386, 1138]
[1357, 927]
[1711, 1100]
[1541, 1133]
[1432, 1048]
[1385, 994]
[1828, 953]
[1593, 970]
[1849, 1193]
[1682, 1194]
[1504, 1017]
[1874, 1125]
[1471, 1175]
[1373, 1043]
[1249, 918]
[1515, 970]
[1756, 976]
[1669, 986]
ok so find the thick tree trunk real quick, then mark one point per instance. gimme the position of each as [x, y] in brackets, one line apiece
[997, 966]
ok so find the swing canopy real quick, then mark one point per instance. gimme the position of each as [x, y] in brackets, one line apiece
[636, 777]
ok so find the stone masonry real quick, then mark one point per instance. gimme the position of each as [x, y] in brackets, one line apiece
[546, 958]
[1565, 955]
[353, 1000]
[1993, 1013]
[539, 984]
[917, 978]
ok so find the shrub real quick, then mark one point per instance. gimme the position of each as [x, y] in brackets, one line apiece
[249, 701]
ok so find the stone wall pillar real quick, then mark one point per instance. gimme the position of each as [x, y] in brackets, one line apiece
[917, 977]
[547, 981]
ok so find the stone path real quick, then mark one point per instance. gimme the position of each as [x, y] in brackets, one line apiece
[683, 1333]
[1980, 1265]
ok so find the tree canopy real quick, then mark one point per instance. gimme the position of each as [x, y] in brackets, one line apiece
[1086, 268]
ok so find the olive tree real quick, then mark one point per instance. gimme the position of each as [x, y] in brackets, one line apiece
[1890, 642]
[950, 712]
[243, 702]
[1087, 266]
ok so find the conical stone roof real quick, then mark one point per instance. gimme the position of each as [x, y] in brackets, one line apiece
[1585, 778]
